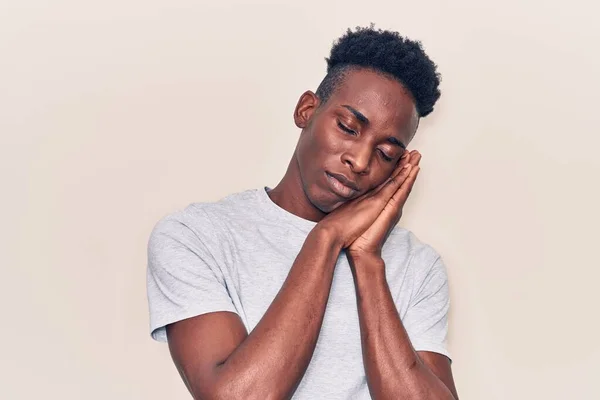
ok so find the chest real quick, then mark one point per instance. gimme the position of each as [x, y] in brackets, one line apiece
[339, 341]
[263, 258]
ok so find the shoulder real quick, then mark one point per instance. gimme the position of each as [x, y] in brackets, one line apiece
[422, 258]
[205, 219]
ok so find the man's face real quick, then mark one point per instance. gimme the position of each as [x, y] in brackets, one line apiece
[352, 143]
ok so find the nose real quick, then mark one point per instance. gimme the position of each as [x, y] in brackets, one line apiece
[358, 158]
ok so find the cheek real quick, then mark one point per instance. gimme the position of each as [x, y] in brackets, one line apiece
[325, 141]
[317, 146]
[380, 176]
[311, 159]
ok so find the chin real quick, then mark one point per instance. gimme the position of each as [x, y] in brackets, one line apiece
[325, 201]
[326, 209]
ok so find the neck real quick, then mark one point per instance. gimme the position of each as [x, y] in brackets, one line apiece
[289, 194]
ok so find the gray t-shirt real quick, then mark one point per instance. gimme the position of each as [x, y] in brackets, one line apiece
[234, 255]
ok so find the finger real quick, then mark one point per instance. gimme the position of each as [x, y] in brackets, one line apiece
[415, 158]
[405, 158]
[379, 201]
[397, 171]
[395, 182]
[408, 157]
[401, 195]
[392, 211]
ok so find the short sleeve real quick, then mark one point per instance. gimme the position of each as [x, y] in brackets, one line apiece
[183, 277]
[426, 320]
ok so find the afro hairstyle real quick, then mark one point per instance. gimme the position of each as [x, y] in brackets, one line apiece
[388, 53]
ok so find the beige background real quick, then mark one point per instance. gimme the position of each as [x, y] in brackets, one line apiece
[115, 113]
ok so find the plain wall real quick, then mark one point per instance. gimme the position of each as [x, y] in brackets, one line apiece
[115, 113]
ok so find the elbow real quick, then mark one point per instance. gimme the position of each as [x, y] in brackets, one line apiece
[223, 383]
[424, 385]
[237, 389]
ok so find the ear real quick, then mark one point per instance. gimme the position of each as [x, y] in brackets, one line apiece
[305, 109]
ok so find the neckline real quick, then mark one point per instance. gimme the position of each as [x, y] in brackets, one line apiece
[282, 214]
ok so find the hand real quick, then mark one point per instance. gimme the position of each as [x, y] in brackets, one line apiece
[371, 240]
[352, 219]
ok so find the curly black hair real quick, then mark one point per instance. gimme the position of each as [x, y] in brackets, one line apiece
[388, 53]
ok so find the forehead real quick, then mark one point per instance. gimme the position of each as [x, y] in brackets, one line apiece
[383, 100]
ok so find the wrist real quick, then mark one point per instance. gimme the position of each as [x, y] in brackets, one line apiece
[366, 266]
[363, 258]
[369, 279]
[328, 235]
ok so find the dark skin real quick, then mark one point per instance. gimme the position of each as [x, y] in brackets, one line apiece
[358, 136]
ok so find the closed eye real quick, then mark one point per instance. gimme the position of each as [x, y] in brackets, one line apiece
[385, 156]
[346, 129]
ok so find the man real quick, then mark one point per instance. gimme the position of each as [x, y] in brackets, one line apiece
[308, 290]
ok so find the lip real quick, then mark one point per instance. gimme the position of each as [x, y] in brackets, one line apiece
[341, 185]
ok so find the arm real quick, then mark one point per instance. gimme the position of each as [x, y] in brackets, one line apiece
[215, 356]
[218, 360]
[394, 369]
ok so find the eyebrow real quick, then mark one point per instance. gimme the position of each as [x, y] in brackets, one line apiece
[395, 141]
[361, 117]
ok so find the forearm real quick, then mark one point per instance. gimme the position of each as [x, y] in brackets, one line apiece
[273, 358]
[394, 370]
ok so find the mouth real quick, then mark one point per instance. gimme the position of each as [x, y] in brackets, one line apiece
[341, 186]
